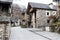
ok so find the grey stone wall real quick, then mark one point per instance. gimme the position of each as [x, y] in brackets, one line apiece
[41, 17]
[4, 32]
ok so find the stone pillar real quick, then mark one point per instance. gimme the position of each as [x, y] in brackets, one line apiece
[33, 20]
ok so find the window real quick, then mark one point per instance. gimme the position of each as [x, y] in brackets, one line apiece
[54, 13]
[47, 13]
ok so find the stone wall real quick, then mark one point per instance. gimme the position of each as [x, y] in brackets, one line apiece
[41, 17]
[4, 32]
[1, 31]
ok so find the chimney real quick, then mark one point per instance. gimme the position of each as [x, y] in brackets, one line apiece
[51, 5]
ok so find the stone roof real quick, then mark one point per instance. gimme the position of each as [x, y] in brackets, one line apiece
[42, 6]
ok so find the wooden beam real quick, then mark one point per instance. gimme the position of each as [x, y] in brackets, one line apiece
[31, 10]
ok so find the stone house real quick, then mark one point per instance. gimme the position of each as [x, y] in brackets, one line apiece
[23, 19]
[5, 6]
[38, 13]
[15, 15]
[18, 15]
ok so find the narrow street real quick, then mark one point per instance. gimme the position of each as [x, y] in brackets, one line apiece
[29, 20]
[18, 33]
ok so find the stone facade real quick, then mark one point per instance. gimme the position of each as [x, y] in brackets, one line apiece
[41, 18]
[5, 19]
[38, 14]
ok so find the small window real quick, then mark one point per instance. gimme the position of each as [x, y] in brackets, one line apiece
[47, 14]
[54, 13]
[48, 21]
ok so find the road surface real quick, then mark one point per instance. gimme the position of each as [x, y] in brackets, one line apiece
[18, 33]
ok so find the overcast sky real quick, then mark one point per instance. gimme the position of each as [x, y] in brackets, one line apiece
[25, 2]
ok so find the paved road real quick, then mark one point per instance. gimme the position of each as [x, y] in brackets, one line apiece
[49, 35]
[18, 33]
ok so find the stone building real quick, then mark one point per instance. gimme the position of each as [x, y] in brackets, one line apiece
[23, 20]
[4, 28]
[5, 11]
[18, 14]
[38, 13]
[15, 15]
